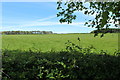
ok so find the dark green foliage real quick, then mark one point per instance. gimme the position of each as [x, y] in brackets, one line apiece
[103, 11]
[65, 65]
[104, 31]
[109, 30]
[26, 32]
[106, 12]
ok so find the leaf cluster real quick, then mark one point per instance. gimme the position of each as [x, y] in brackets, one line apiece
[63, 65]
[106, 13]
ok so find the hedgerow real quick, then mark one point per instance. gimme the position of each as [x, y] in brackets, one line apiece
[74, 64]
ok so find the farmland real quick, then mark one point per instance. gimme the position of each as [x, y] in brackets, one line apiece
[56, 42]
[54, 61]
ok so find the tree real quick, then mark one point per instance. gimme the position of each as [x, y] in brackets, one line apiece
[106, 12]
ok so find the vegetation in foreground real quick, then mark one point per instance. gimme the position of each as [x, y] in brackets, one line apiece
[76, 63]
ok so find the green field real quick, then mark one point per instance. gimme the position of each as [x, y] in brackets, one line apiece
[56, 42]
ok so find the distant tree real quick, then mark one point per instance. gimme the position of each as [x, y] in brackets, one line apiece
[26, 32]
[106, 12]
[111, 30]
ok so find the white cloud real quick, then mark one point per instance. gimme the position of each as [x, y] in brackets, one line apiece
[53, 26]
[29, 0]
[47, 24]
[42, 22]
[36, 0]
[48, 18]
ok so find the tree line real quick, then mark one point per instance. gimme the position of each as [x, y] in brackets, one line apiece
[109, 30]
[26, 32]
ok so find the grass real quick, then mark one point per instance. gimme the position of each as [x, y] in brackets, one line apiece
[56, 42]
[21, 62]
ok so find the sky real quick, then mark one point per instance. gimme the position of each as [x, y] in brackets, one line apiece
[32, 16]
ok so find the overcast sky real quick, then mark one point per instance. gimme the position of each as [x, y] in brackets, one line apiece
[39, 16]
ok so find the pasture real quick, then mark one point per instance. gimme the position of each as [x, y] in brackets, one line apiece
[56, 42]
[21, 62]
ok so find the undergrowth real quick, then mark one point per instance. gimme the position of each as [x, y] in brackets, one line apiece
[76, 63]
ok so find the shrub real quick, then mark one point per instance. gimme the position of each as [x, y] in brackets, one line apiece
[67, 65]
[76, 63]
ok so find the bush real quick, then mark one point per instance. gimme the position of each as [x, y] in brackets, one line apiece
[83, 64]
[76, 63]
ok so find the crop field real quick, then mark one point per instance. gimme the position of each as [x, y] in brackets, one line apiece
[56, 42]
